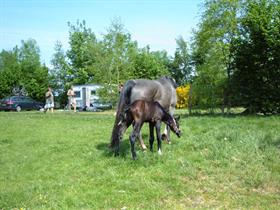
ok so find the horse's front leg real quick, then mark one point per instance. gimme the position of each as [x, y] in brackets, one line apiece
[158, 137]
[122, 128]
[166, 134]
[132, 138]
[151, 139]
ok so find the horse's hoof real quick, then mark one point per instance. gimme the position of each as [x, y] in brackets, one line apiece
[144, 147]
[159, 152]
[168, 142]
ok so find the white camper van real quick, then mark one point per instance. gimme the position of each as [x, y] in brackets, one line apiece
[86, 94]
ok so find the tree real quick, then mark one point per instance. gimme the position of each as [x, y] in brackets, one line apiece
[150, 65]
[180, 67]
[22, 72]
[212, 53]
[81, 40]
[60, 74]
[34, 75]
[120, 51]
[9, 72]
[257, 58]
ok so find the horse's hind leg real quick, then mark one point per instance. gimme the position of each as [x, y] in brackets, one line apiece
[158, 137]
[143, 146]
[151, 139]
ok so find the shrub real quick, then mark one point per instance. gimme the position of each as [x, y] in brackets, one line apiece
[183, 96]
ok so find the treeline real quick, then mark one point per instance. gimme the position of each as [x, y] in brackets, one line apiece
[236, 55]
[232, 60]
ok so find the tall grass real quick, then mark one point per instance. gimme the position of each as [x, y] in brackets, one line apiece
[61, 161]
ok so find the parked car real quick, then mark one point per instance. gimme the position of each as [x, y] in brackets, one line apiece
[99, 104]
[18, 103]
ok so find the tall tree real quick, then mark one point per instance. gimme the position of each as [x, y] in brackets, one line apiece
[120, 51]
[81, 40]
[180, 67]
[212, 51]
[60, 73]
[22, 72]
[10, 73]
[150, 65]
[257, 58]
[34, 75]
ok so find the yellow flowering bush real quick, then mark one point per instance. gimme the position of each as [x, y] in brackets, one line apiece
[182, 96]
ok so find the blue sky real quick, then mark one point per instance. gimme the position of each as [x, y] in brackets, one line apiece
[150, 22]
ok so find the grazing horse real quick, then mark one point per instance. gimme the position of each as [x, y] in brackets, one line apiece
[142, 111]
[162, 90]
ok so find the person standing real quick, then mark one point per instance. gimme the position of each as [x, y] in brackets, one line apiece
[71, 99]
[49, 100]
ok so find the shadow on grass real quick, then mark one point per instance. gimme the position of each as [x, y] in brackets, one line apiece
[108, 152]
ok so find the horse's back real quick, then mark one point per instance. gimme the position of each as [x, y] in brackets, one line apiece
[145, 110]
[153, 90]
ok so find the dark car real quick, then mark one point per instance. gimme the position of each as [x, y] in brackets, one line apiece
[18, 103]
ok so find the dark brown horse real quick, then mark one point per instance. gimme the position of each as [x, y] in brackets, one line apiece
[162, 90]
[141, 111]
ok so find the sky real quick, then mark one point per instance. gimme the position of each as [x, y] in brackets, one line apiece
[156, 23]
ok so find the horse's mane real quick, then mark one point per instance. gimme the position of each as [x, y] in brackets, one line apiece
[168, 79]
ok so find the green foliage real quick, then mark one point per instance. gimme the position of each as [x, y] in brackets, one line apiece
[212, 54]
[10, 73]
[256, 78]
[34, 75]
[81, 40]
[61, 74]
[218, 163]
[119, 50]
[236, 55]
[150, 65]
[180, 68]
[109, 93]
[109, 61]
[21, 68]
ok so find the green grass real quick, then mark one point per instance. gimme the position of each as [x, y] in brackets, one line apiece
[61, 161]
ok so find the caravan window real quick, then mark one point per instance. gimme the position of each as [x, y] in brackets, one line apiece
[93, 92]
[77, 94]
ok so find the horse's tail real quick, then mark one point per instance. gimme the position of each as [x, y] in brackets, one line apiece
[119, 125]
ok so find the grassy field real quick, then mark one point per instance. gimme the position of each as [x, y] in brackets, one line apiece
[61, 161]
